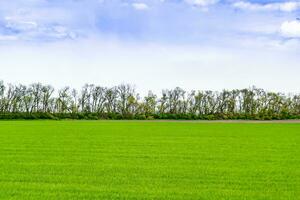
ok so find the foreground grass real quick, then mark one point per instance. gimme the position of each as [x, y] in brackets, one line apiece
[148, 160]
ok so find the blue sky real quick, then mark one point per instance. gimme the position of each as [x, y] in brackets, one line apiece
[154, 44]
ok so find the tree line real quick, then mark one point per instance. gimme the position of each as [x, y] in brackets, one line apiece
[39, 101]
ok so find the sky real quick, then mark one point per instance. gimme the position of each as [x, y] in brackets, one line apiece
[152, 44]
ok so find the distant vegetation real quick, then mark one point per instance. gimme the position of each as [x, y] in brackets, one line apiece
[38, 101]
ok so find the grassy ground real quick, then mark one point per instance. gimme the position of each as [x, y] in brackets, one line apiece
[148, 160]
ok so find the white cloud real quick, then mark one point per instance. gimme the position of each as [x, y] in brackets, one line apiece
[201, 2]
[290, 29]
[284, 6]
[23, 25]
[140, 6]
[20, 25]
[8, 38]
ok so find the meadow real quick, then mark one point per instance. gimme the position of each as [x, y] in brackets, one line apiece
[149, 160]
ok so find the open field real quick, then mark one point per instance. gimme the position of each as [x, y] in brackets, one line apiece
[149, 160]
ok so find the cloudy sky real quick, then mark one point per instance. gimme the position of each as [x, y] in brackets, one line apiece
[153, 44]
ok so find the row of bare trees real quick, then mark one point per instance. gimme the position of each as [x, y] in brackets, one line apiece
[124, 101]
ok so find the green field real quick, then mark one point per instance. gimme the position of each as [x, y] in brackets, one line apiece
[148, 160]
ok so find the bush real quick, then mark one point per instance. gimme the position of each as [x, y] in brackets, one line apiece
[166, 116]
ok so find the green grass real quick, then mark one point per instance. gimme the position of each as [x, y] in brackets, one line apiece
[148, 160]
